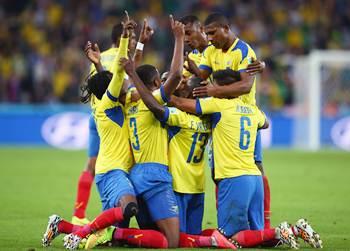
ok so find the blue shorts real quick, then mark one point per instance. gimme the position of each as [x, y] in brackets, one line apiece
[191, 208]
[94, 139]
[112, 186]
[258, 148]
[240, 204]
[153, 183]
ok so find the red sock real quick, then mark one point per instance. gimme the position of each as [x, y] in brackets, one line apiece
[83, 194]
[194, 241]
[141, 238]
[207, 232]
[253, 238]
[105, 219]
[66, 227]
[267, 212]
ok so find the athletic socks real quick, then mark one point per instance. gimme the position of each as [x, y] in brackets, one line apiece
[253, 238]
[66, 227]
[194, 241]
[83, 194]
[105, 219]
[141, 238]
[267, 212]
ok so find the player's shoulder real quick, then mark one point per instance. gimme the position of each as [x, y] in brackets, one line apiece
[209, 49]
[244, 47]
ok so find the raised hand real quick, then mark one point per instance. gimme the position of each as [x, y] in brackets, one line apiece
[191, 65]
[177, 27]
[92, 52]
[146, 32]
[128, 65]
[128, 25]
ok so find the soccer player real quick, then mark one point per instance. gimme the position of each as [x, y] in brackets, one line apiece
[100, 61]
[240, 195]
[188, 135]
[113, 162]
[225, 50]
[149, 141]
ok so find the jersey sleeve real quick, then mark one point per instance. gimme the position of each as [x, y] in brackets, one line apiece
[261, 118]
[247, 59]
[205, 60]
[176, 117]
[160, 96]
[208, 105]
[118, 72]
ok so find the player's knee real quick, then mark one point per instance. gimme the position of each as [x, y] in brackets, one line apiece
[130, 210]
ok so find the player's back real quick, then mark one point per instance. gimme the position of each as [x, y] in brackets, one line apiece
[148, 137]
[115, 152]
[234, 129]
[188, 137]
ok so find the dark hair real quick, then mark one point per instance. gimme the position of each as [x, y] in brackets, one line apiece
[194, 82]
[227, 76]
[96, 84]
[117, 31]
[147, 73]
[190, 19]
[216, 18]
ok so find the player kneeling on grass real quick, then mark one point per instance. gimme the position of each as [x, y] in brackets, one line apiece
[240, 189]
[112, 166]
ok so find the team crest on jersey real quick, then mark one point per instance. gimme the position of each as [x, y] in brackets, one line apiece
[133, 110]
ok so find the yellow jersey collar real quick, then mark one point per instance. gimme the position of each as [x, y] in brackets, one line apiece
[233, 44]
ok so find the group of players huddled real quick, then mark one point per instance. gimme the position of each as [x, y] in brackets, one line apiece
[148, 135]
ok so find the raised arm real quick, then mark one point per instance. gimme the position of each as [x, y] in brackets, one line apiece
[118, 72]
[194, 69]
[92, 52]
[146, 95]
[145, 35]
[184, 104]
[177, 62]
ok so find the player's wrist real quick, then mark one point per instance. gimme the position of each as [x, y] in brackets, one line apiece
[139, 46]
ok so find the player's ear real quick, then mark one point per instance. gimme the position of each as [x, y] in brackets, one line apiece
[226, 27]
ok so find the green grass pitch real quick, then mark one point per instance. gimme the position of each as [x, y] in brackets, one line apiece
[37, 182]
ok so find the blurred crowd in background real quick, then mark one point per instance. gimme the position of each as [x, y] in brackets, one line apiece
[41, 42]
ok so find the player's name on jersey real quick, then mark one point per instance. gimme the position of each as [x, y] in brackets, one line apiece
[200, 126]
[243, 109]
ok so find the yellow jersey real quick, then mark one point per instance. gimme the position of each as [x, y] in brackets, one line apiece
[196, 56]
[114, 152]
[148, 136]
[237, 58]
[188, 137]
[234, 129]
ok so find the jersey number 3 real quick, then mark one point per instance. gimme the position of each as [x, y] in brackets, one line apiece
[203, 138]
[136, 144]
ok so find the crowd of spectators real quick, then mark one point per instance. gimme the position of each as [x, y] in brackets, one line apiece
[41, 41]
